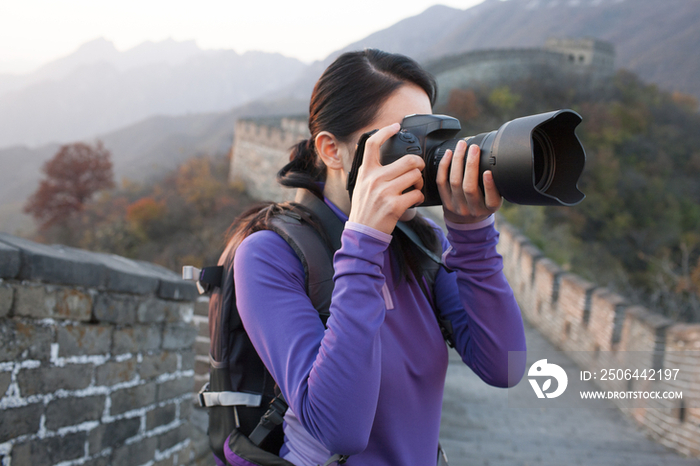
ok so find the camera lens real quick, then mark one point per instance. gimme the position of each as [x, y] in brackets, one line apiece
[544, 160]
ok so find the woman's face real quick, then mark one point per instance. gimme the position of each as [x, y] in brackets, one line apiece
[409, 99]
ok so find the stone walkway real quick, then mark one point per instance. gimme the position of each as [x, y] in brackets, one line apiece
[479, 428]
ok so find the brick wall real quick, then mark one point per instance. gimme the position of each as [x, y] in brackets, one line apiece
[260, 149]
[599, 328]
[96, 359]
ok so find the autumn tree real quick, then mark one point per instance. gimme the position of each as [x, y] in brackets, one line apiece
[71, 178]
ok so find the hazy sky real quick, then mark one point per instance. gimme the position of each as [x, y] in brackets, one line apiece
[33, 32]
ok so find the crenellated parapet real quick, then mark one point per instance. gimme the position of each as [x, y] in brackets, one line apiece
[599, 328]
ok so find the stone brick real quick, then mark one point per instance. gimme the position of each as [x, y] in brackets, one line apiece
[79, 340]
[161, 416]
[175, 388]
[152, 310]
[179, 336]
[136, 339]
[188, 358]
[154, 365]
[97, 461]
[135, 453]
[186, 408]
[174, 436]
[9, 261]
[73, 304]
[20, 421]
[63, 412]
[50, 450]
[5, 380]
[37, 301]
[22, 340]
[179, 312]
[7, 295]
[112, 373]
[113, 434]
[126, 399]
[49, 379]
[118, 309]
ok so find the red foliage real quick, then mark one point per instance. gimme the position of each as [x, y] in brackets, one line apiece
[72, 177]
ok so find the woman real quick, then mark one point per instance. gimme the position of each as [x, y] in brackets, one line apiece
[370, 385]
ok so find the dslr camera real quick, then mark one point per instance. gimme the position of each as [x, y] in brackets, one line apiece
[535, 160]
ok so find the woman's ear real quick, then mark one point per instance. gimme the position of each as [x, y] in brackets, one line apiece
[330, 150]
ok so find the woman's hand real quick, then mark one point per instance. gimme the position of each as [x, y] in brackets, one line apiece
[381, 197]
[462, 198]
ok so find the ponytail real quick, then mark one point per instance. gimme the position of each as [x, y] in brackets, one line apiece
[304, 169]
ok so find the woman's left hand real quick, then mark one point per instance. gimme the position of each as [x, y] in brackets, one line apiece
[462, 198]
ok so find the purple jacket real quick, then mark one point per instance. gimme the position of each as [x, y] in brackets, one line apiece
[370, 385]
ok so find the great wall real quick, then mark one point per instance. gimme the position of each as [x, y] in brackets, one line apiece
[101, 355]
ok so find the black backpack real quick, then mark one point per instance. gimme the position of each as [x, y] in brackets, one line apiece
[243, 399]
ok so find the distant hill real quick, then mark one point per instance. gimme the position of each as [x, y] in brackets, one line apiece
[98, 89]
[657, 40]
[139, 151]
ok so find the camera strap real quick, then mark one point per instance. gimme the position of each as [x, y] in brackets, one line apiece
[357, 161]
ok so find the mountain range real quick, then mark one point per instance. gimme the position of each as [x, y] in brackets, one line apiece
[159, 103]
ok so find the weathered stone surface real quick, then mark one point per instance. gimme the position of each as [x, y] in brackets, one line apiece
[5, 380]
[73, 304]
[136, 397]
[127, 276]
[22, 340]
[175, 388]
[179, 311]
[154, 365]
[114, 372]
[50, 450]
[114, 308]
[152, 310]
[174, 436]
[136, 339]
[41, 301]
[37, 301]
[7, 296]
[135, 453]
[113, 434]
[15, 422]
[10, 260]
[160, 416]
[71, 411]
[56, 264]
[49, 379]
[79, 340]
[179, 336]
[187, 358]
[97, 461]
[171, 286]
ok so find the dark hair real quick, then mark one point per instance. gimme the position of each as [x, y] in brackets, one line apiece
[345, 99]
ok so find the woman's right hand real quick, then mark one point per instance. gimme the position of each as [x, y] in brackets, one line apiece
[381, 197]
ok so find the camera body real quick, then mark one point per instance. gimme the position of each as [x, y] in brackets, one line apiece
[535, 160]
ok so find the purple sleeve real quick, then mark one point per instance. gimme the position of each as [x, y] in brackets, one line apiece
[479, 302]
[331, 377]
